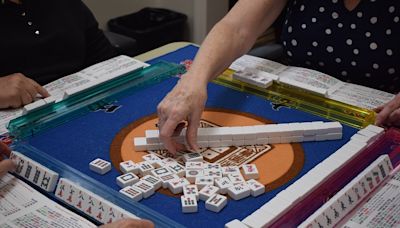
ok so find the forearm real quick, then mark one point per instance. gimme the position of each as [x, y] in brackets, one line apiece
[222, 46]
[233, 36]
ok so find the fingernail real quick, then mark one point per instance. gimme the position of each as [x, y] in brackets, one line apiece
[196, 148]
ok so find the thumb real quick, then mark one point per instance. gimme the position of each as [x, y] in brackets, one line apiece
[4, 149]
[191, 133]
[6, 166]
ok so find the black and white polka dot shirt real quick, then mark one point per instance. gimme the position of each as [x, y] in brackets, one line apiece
[361, 46]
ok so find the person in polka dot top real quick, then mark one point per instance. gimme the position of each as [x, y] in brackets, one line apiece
[354, 40]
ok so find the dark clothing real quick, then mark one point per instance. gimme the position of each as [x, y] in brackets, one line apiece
[49, 39]
[361, 46]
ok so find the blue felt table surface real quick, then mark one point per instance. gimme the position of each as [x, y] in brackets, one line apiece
[81, 140]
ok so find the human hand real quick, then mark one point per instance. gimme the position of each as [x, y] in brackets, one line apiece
[184, 103]
[16, 90]
[129, 223]
[5, 165]
[389, 113]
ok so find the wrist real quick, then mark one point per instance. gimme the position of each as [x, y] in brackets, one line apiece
[195, 79]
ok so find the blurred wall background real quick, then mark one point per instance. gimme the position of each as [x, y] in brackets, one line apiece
[202, 14]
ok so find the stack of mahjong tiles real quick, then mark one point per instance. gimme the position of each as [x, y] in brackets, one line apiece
[197, 180]
[249, 135]
[255, 77]
[104, 71]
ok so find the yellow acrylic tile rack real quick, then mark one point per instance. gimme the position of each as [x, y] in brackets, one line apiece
[303, 100]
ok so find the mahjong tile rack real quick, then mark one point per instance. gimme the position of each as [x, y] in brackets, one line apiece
[286, 95]
[90, 99]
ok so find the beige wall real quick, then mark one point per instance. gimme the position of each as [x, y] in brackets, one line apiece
[202, 14]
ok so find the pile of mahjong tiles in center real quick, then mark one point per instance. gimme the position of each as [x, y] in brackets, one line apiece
[197, 180]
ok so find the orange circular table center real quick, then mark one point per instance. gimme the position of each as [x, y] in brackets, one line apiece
[277, 164]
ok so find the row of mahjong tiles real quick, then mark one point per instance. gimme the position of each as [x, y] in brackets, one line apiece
[68, 191]
[353, 197]
[133, 65]
[250, 135]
